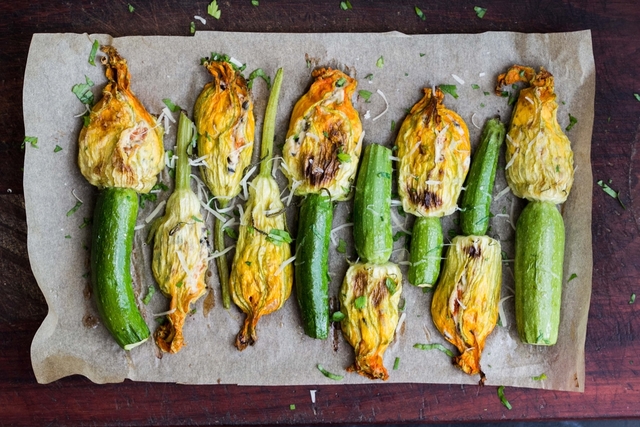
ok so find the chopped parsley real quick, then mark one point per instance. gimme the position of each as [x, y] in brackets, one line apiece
[391, 285]
[450, 89]
[380, 62]
[33, 140]
[179, 285]
[398, 235]
[436, 346]
[364, 94]
[572, 122]
[632, 299]
[195, 218]
[171, 106]
[344, 157]
[152, 196]
[540, 377]
[611, 192]
[341, 81]
[420, 13]
[337, 316]
[422, 54]
[131, 8]
[475, 86]
[83, 91]
[503, 399]
[486, 93]
[369, 76]
[259, 72]
[150, 291]
[292, 407]
[360, 302]
[636, 96]
[74, 208]
[213, 10]
[248, 263]
[57, 149]
[480, 11]
[345, 5]
[231, 233]
[68, 236]
[396, 364]
[254, 2]
[94, 50]
[85, 221]
[277, 237]
[342, 246]
[329, 374]
[393, 125]
[573, 276]
[192, 27]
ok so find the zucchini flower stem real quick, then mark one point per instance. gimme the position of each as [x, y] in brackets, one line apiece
[268, 130]
[183, 169]
[221, 261]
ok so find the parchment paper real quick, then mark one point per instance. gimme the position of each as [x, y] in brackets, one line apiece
[72, 341]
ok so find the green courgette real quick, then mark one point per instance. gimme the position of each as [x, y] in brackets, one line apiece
[538, 273]
[476, 199]
[372, 206]
[425, 252]
[311, 264]
[112, 240]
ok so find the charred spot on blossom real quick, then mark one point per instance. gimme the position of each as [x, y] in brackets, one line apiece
[473, 251]
[359, 283]
[223, 86]
[245, 105]
[379, 293]
[427, 199]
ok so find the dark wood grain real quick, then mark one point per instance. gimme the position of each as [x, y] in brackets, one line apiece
[613, 344]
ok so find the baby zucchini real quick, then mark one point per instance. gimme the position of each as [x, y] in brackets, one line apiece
[476, 200]
[426, 252]
[112, 240]
[372, 206]
[538, 273]
[312, 263]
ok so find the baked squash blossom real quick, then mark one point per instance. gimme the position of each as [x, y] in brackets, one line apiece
[369, 300]
[223, 115]
[465, 302]
[121, 146]
[179, 249]
[539, 156]
[324, 139]
[434, 151]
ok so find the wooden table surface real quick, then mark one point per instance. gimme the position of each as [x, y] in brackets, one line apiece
[613, 343]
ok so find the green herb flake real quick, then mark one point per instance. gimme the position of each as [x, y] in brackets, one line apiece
[611, 192]
[259, 72]
[213, 10]
[422, 54]
[68, 236]
[369, 76]
[573, 276]
[391, 285]
[277, 237]
[450, 89]
[192, 27]
[179, 285]
[540, 377]
[337, 316]
[171, 106]
[326, 134]
[329, 374]
[150, 291]
[342, 246]
[85, 221]
[344, 158]
[398, 235]
[345, 5]
[572, 122]
[503, 399]
[83, 91]
[480, 11]
[94, 50]
[435, 346]
[504, 94]
[420, 13]
[360, 302]
[475, 86]
[341, 81]
[74, 208]
[131, 8]
[486, 93]
[57, 149]
[195, 218]
[248, 263]
[231, 233]
[380, 62]
[255, 2]
[482, 105]
[637, 96]
[396, 364]
[33, 140]
[364, 94]
[632, 299]
[512, 98]
[292, 407]
[393, 125]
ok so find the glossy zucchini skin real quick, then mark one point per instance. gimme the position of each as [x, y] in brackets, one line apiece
[425, 252]
[114, 220]
[476, 199]
[372, 232]
[538, 273]
[311, 264]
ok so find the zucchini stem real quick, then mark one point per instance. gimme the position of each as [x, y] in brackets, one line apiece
[268, 129]
[221, 261]
[183, 169]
